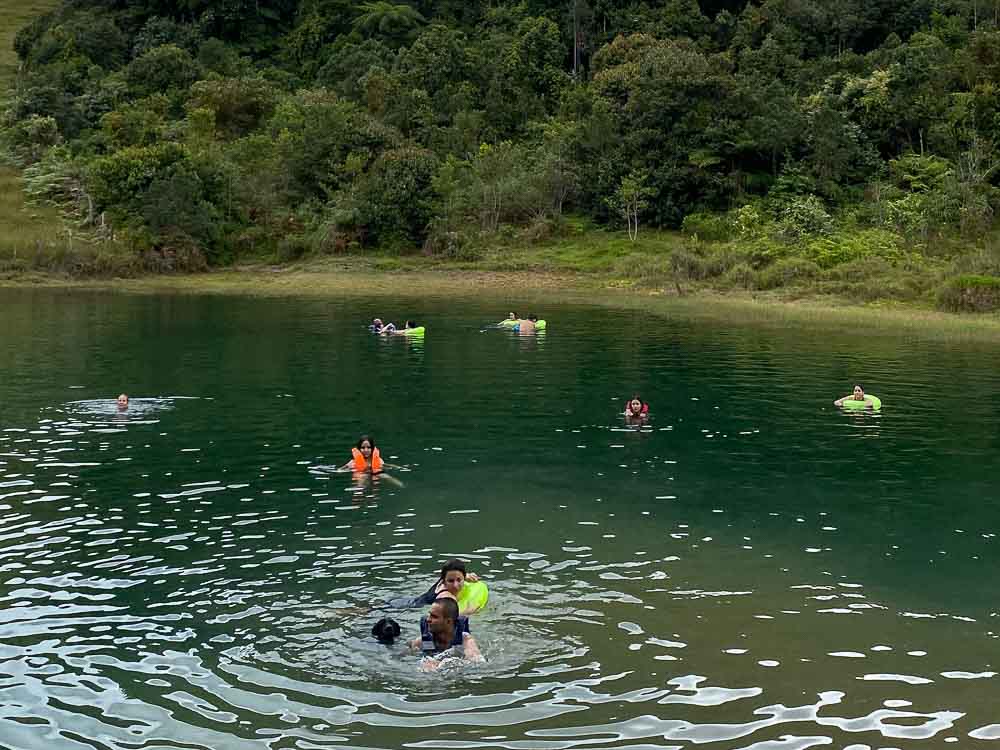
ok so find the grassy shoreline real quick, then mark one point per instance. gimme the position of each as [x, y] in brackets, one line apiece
[349, 278]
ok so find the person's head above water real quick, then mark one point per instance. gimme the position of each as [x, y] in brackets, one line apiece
[443, 616]
[511, 316]
[366, 445]
[123, 401]
[411, 324]
[859, 392]
[376, 322]
[635, 404]
[453, 575]
[533, 318]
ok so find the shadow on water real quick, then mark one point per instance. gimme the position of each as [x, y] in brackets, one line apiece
[749, 567]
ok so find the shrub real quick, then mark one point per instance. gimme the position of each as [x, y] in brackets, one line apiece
[29, 139]
[120, 179]
[239, 105]
[749, 221]
[739, 276]
[645, 269]
[161, 69]
[786, 271]
[707, 227]
[686, 266]
[970, 294]
[805, 216]
[845, 247]
[721, 261]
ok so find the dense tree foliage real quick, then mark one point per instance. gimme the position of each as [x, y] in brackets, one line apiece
[290, 125]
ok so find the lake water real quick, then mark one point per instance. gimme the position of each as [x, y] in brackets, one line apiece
[752, 569]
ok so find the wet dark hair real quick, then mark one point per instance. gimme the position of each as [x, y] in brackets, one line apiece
[533, 318]
[386, 630]
[411, 324]
[858, 385]
[453, 564]
[365, 439]
[449, 608]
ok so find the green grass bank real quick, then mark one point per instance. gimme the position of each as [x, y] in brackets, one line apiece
[538, 289]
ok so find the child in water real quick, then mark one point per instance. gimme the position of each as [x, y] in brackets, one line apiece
[365, 457]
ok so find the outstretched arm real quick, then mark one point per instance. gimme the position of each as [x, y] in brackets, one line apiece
[471, 648]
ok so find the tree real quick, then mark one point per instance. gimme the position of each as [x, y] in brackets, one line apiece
[630, 200]
[393, 22]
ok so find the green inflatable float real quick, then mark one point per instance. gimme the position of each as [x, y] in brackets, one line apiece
[874, 402]
[473, 596]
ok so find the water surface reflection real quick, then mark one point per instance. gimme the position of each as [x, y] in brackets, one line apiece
[749, 569]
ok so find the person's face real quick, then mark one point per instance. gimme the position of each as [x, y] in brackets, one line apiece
[366, 449]
[123, 401]
[512, 316]
[636, 405]
[436, 621]
[858, 393]
[453, 581]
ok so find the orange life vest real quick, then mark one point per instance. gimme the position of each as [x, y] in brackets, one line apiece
[361, 465]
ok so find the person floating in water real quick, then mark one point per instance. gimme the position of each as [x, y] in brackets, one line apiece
[122, 402]
[636, 408]
[449, 584]
[366, 462]
[381, 329]
[365, 457]
[857, 395]
[443, 629]
[510, 322]
[527, 326]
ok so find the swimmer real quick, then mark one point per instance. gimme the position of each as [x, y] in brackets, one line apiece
[366, 462]
[122, 402]
[509, 322]
[526, 327]
[365, 457]
[381, 329]
[636, 407]
[452, 579]
[857, 395]
[443, 629]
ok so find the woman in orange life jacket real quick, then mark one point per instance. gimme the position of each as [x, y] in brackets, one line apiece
[635, 407]
[366, 462]
[365, 457]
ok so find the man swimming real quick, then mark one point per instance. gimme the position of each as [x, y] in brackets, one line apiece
[442, 629]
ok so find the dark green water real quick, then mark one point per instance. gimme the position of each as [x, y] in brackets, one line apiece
[753, 570]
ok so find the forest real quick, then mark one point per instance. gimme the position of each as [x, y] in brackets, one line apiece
[786, 139]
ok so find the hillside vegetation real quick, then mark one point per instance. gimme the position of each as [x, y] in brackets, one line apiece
[848, 146]
[21, 226]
